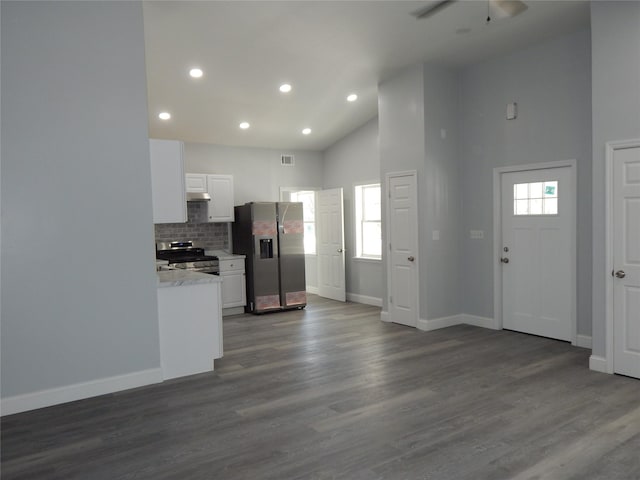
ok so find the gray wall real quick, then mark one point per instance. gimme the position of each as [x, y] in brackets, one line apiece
[78, 297]
[257, 173]
[615, 37]
[440, 196]
[401, 138]
[414, 107]
[551, 84]
[354, 159]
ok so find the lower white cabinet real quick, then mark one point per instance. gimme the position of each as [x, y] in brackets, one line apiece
[234, 289]
[190, 321]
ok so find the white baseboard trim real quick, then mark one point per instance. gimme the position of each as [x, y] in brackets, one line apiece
[460, 319]
[583, 341]
[311, 289]
[484, 322]
[598, 364]
[384, 316]
[232, 311]
[436, 323]
[78, 391]
[357, 298]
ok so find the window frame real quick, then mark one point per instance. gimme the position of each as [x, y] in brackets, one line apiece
[359, 189]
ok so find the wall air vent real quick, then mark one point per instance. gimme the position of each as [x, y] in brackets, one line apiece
[286, 160]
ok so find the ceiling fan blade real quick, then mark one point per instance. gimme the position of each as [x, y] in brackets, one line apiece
[507, 8]
[432, 9]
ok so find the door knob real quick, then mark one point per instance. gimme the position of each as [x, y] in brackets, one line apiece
[620, 274]
[411, 258]
[339, 250]
[504, 260]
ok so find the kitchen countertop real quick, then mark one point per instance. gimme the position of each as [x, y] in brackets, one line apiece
[176, 278]
[222, 255]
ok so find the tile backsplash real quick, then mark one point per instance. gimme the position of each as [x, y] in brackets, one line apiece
[214, 236]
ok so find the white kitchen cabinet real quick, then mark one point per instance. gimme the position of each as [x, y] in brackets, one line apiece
[190, 324]
[196, 182]
[220, 187]
[167, 181]
[234, 289]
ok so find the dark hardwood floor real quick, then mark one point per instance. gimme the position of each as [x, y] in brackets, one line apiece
[332, 392]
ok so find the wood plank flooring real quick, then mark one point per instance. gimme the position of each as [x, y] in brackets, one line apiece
[330, 392]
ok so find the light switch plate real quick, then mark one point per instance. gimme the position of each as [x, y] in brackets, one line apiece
[476, 234]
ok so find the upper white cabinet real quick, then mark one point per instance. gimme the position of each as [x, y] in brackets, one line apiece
[196, 182]
[167, 181]
[220, 189]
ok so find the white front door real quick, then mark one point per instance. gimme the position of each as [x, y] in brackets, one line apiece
[330, 244]
[626, 261]
[538, 252]
[402, 237]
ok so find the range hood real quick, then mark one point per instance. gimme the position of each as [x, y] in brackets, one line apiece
[198, 197]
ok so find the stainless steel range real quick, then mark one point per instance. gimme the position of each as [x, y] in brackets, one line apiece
[188, 255]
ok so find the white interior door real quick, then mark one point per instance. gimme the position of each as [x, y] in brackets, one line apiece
[402, 237]
[330, 244]
[626, 261]
[538, 252]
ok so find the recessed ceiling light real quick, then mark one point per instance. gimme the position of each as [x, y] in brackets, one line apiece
[244, 125]
[352, 98]
[164, 116]
[196, 72]
[306, 131]
[285, 88]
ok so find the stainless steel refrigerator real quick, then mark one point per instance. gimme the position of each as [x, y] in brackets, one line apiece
[271, 235]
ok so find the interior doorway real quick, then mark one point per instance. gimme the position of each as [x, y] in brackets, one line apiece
[323, 239]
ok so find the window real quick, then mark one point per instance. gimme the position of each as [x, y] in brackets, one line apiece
[308, 199]
[537, 198]
[368, 223]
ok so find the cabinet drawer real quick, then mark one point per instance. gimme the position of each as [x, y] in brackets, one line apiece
[232, 265]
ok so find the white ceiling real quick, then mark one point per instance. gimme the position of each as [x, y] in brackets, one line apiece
[325, 49]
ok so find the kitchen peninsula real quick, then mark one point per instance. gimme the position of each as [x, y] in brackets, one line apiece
[190, 321]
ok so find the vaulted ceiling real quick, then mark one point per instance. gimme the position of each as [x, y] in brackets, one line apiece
[324, 49]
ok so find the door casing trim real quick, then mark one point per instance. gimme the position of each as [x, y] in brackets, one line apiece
[610, 149]
[497, 237]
